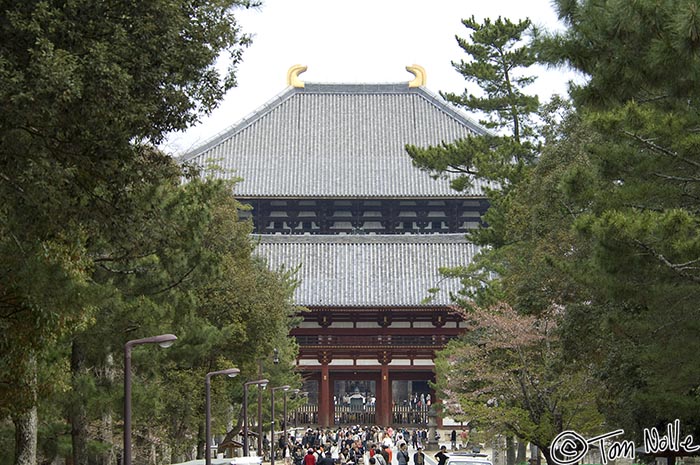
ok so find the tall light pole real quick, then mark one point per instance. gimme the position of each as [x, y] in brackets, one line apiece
[275, 360]
[164, 340]
[299, 394]
[262, 383]
[284, 424]
[231, 372]
[284, 388]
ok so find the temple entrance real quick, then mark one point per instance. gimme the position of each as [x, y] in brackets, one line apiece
[357, 395]
[354, 402]
[411, 402]
[399, 398]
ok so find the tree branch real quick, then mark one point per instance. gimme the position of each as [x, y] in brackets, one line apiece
[654, 146]
[176, 283]
[676, 178]
[679, 268]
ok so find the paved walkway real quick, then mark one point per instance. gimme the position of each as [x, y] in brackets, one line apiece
[429, 459]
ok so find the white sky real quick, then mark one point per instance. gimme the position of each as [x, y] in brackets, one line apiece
[358, 41]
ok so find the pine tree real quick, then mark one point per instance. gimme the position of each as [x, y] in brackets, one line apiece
[498, 55]
[642, 60]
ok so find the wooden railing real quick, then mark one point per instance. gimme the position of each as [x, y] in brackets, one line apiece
[355, 415]
[402, 415]
[409, 415]
[304, 415]
[386, 340]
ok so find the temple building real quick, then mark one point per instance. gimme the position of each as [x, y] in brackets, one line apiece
[334, 194]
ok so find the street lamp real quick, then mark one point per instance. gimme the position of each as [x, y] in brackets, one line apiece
[262, 383]
[286, 437]
[284, 388]
[275, 360]
[164, 340]
[298, 394]
[231, 372]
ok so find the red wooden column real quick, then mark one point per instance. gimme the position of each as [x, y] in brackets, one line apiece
[385, 401]
[324, 400]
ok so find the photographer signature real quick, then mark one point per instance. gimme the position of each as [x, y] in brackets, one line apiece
[569, 447]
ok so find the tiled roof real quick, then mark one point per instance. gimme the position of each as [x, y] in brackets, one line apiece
[368, 270]
[339, 140]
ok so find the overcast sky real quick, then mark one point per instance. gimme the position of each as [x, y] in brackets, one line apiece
[368, 41]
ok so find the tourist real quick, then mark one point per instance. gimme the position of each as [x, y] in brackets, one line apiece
[402, 455]
[440, 456]
[310, 458]
[419, 457]
[326, 459]
[379, 457]
[298, 455]
[386, 453]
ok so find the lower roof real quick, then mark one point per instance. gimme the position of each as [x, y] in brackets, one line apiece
[369, 270]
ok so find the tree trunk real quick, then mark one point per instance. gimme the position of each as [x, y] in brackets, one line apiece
[535, 455]
[106, 434]
[26, 423]
[78, 413]
[547, 455]
[510, 450]
[522, 452]
[201, 441]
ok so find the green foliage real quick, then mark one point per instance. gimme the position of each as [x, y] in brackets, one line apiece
[506, 374]
[604, 227]
[496, 54]
[640, 210]
[643, 50]
[100, 240]
[509, 375]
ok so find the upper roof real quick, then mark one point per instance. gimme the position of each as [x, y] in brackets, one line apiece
[339, 141]
[369, 270]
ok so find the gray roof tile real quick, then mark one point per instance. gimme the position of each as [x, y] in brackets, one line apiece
[339, 140]
[368, 270]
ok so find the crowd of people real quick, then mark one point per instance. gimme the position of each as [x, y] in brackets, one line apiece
[353, 446]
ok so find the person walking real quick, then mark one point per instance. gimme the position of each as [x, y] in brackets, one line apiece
[402, 455]
[310, 458]
[326, 459]
[419, 457]
[386, 453]
[441, 456]
[378, 457]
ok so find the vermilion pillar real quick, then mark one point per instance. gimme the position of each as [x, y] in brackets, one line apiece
[324, 401]
[385, 401]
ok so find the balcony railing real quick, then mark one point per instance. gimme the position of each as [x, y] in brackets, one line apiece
[402, 415]
[372, 341]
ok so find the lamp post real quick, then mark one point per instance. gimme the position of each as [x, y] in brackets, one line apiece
[275, 360]
[164, 340]
[262, 383]
[231, 372]
[299, 394]
[284, 388]
[284, 409]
